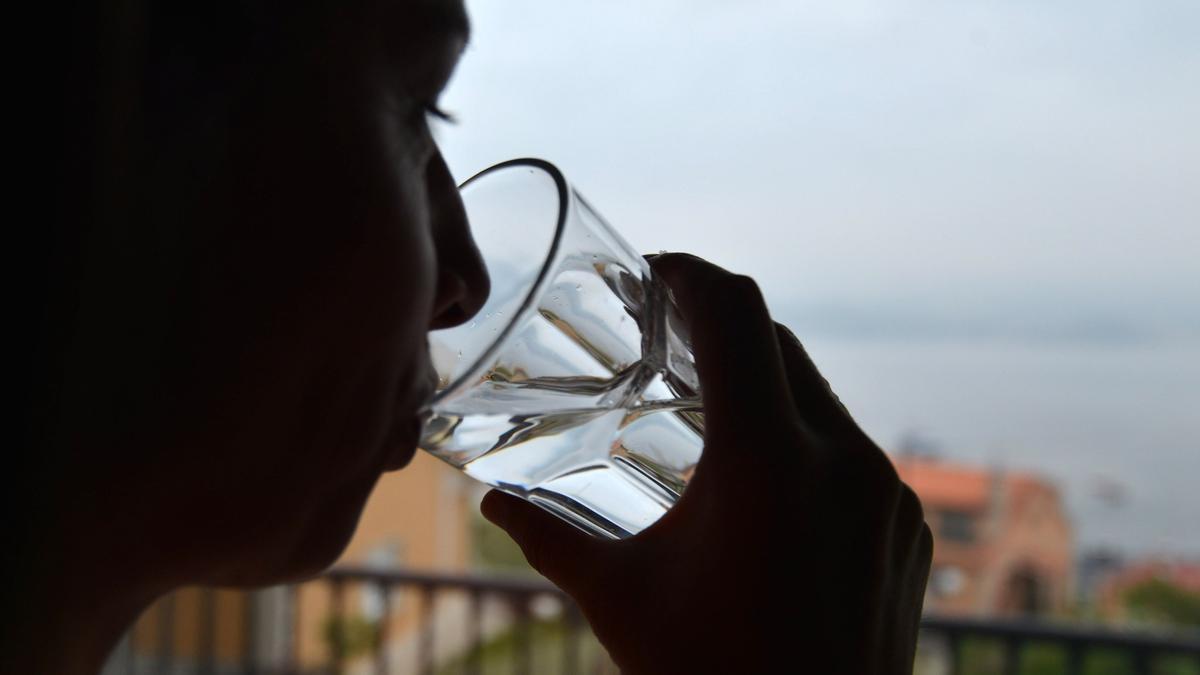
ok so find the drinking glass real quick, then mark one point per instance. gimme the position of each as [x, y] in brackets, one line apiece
[575, 386]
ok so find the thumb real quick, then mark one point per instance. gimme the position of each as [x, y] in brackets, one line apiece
[559, 551]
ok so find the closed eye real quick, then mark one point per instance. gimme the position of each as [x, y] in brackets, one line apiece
[434, 111]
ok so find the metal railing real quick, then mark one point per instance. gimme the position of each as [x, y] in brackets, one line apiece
[1137, 651]
[518, 594]
[495, 624]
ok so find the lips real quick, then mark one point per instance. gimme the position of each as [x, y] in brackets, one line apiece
[403, 444]
[406, 430]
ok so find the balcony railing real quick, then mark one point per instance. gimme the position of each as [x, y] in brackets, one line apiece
[361, 620]
[1137, 653]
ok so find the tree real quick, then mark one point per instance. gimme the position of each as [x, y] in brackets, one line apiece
[1159, 601]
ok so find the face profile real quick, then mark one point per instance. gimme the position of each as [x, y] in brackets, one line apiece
[340, 240]
[261, 238]
[280, 236]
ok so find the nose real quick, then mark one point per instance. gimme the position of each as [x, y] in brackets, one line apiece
[462, 281]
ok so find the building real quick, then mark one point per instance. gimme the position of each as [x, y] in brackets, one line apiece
[1003, 545]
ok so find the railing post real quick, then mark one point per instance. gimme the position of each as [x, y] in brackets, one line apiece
[1141, 661]
[338, 623]
[382, 665]
[954, 650]
[293, 647]
[130, 665]
[571, 623]
[523, 646]
[250, 618]
[1012, 655]
[474, 632]
[166, 634]
[425, 628]
[1075, 653]
[208, 623]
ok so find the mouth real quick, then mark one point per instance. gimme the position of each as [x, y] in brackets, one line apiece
[406, 430]
[403, 443]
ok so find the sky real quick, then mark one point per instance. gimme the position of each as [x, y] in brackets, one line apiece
[868, 153]
[1008, 176]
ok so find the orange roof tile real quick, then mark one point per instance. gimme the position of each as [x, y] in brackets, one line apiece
[1178, 573]
[944, 485]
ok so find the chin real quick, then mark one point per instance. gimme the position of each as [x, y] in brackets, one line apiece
[309, 545]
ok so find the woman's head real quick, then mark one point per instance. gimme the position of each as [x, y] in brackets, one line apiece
[275, 232]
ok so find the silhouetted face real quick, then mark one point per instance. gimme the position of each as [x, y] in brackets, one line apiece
[298, 236]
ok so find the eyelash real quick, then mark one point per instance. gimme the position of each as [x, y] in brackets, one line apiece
[434, 111]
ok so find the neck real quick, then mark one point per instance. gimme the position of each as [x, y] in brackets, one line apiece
[71, 635]
[80, 587]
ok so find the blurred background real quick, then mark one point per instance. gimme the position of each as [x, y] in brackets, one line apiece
[983, 220]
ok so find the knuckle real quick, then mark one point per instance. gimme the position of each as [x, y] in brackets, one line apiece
[740, 287]
[910, 508]
[925, 544]
[686, 258]
[885, 471]
[787, 336]
[870, 474]
[680, 264]
[876, 466]
[665, 260]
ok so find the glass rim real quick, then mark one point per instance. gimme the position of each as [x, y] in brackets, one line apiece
[539, 284]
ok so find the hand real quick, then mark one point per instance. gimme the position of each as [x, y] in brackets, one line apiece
[795, 546]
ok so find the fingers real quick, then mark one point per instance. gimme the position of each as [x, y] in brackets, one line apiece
[557, 550]
[911, 529]
[815, 401]
[741, 370]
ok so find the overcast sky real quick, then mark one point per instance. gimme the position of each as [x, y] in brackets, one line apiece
[871, 162]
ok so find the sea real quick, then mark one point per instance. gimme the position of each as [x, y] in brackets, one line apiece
[1116, 426]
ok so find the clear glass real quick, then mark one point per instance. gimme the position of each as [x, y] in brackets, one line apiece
[575, 386]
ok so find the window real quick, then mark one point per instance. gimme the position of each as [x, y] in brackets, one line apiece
[956, 526]
[947, 580]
